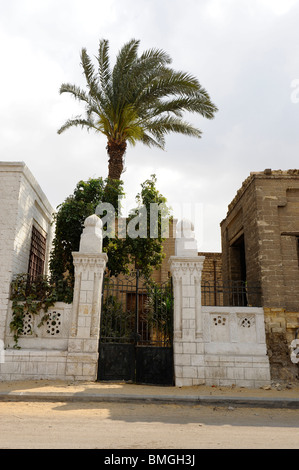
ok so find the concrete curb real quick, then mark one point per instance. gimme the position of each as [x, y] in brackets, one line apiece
[220, 401]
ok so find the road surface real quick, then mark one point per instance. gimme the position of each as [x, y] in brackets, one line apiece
[69, 425]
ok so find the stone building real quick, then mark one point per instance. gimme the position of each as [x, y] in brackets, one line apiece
[25, 233]
[260, 245]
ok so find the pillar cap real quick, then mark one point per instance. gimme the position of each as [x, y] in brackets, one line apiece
[93, 221]
[185, 243]
[91, 240]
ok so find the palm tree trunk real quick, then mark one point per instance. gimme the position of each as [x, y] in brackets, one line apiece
[116, 153]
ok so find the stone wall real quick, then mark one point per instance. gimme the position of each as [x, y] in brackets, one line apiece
[263, 221]
[212, 267]
[281, 329]
[265, 211]
[65, 347]
[22, 205]
[51, 333]
[235, 347]
[241, 219]
[214, 345]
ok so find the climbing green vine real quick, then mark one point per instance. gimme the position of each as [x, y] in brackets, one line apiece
[33, 297]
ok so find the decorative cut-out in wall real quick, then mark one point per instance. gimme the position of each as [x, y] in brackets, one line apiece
[246, 322]
[27, 325]
[219, 320]
[54, 323]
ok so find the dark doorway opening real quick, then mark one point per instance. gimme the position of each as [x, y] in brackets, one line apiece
[238, 269]
[238, 260]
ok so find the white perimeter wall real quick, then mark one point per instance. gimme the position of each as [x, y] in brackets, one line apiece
[22, 205]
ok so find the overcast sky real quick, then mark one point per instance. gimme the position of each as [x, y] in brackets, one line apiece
[244, 52]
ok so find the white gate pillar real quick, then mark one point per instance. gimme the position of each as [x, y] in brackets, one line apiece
[90, 264]
[186, 269]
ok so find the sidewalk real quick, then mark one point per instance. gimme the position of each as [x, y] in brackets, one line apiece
[278, 396]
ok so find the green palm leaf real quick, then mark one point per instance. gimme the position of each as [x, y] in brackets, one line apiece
[141, 99]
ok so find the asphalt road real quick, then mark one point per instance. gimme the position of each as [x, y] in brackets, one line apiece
[68, 425]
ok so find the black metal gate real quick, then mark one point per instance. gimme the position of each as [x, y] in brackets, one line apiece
[136, 331]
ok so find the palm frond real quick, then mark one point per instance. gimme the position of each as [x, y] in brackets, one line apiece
[126, 56]
[154, 57]
[125, 60]
[75, 123]
[200, 105]
[151, 142]
[165, 125]
[77, 92]
[104, 63]
[89, 73]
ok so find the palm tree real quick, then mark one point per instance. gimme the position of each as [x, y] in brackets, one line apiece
[140, 99]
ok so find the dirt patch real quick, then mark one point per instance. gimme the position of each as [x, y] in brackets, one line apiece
[277, 389]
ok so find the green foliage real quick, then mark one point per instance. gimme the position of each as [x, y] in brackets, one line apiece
[69, 224]
[159, 307]
[116, 320]
[146, 253]
[30, 297]
[119, 321]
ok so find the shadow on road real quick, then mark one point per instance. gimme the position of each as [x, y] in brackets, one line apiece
[187, 414]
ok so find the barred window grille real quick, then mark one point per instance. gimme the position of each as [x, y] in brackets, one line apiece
[37, 254]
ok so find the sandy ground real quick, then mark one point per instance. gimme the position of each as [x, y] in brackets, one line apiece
[138, 425]
[276, 390]
[103, 425]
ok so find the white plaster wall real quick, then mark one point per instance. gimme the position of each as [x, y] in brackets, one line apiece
[234, 330]
[38, 334]
[69, 351]
[214, 345]
[22, 204]
[33, 209]
[9, 195]
[232, 350]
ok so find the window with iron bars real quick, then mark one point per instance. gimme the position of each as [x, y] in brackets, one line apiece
[37, 254]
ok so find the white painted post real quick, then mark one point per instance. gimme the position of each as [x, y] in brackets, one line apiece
[186, 268]
[89, 265]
